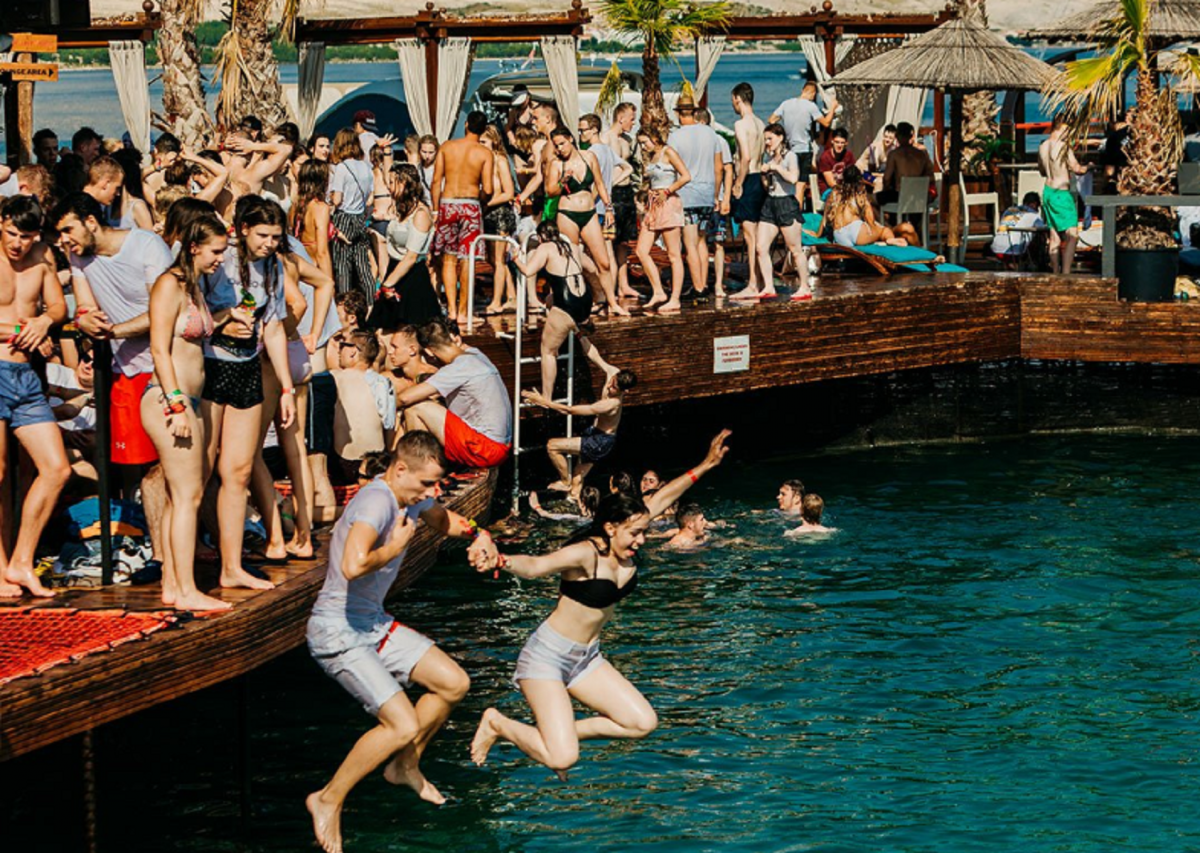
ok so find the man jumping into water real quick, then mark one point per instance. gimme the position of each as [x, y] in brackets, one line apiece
[374, 657]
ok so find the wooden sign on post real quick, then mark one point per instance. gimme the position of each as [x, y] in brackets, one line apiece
[39, 72]
[34, 43]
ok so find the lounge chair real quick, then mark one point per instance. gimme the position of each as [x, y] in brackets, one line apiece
[885, 260]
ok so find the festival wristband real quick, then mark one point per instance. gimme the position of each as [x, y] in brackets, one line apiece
[692, 474]
[288, 391]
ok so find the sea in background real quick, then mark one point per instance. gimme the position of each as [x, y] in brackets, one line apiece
[89, 97]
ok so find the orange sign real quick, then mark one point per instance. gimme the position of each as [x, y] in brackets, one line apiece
[41, 72]
[34, 43]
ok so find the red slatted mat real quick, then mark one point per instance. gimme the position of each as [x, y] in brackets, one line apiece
[33, 640]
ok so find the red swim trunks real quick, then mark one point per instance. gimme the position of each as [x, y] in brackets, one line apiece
[460, 221]
[130, 444]
[467, 447]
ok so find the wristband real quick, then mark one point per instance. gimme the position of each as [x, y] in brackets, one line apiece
[286, 391]
[692, 474]
[79, 312]
[17, 329]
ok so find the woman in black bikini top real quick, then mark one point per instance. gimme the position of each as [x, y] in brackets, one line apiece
[561, 661]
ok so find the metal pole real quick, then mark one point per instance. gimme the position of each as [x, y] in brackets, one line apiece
[102, 365]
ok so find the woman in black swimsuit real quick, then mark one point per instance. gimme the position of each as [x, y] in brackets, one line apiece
[561, 661]
[574, 177]
[559, 262]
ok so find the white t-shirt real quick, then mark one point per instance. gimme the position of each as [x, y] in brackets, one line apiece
[225, 289]
[473, 390]
[697, 147]
[726, 158]
[1015, 243]
[797, 116]
[355, 181]
[608, 161]
[64, 377]
[384, 394]
[9, 188]
[121, 285]
[367, 140]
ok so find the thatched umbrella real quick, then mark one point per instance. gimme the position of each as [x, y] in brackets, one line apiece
[960, 56]
[1173, 21]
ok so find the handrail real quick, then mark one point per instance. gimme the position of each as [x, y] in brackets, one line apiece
[494, 238]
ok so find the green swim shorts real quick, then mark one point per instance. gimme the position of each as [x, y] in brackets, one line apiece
[1058, 209]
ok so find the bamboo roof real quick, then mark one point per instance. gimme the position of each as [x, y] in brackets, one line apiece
[959, 54]
[1170, 21]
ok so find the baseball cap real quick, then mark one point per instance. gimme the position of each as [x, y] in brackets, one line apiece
[366, 118]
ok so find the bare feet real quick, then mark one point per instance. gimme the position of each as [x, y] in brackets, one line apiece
[10, 590]
[559, 486]
[403, 770]
[485, 736]
[616, 309]
[655, 301]
[300, 550]
[240, 578]
[747, 294]
[25, 577]
[327, 822]
[197, 602]
[628, 293]
[670, 307]
[897, 241]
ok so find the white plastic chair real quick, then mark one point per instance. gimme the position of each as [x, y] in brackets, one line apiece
[1028, 181]
[1189, 178]
[914, 201]
[977, 199]
[814, 189]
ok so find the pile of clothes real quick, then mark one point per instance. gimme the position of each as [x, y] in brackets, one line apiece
[78, 563]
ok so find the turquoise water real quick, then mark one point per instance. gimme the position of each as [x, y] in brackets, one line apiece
[997, 650]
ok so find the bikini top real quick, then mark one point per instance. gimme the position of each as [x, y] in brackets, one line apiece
[573, 186]
[597, 592]
[197, 324]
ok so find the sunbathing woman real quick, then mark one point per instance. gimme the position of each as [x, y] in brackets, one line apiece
[179, 324]
[561, 661]
[849, 213]
[560, 263]
[574, 177]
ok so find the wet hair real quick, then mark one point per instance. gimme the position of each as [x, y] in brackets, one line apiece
[23, 211]
[547, 232]
[626, 379]
[39, 181]
[168, 143]
[744, 92]
[411, 191]
[346, 146]
[373, 464]
[476, 122]
[312, 185]
[70, 173]
[589, 499]
[82, 206]
[904, 131]
[417, 447]
[591, 121]
[614, 510]
[686, 513]
[83, 136]
[795, 485]
[198, 231]
[250, 212]
[182, 214]
[622, 483]
[812, 508]
[354, 303]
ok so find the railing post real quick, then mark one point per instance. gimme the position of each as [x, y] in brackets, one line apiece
[102, 366]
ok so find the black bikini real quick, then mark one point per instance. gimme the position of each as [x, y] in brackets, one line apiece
[578, 306]
[597, 592]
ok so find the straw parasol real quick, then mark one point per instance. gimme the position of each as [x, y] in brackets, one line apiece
[1173, 21]
[960, 56]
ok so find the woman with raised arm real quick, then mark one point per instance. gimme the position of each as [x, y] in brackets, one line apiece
[561, 661]
[667, 175]
[246, 296]
[407, 296]
[179, 324]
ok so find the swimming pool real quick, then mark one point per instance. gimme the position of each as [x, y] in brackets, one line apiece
[998, 649]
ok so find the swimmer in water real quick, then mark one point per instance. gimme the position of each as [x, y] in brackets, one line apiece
[693, 527]
[790, 497]
[589, 499]
[810, 517]
[561, 661]
[651, 483]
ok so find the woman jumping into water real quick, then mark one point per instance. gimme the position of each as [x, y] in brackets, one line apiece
[561, 661]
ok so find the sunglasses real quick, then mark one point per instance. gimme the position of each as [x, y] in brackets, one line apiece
[347, 345]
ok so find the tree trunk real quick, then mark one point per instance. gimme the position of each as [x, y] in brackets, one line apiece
[249, 74]
[654, 111]
[1153, 153]
[979, 108]
[185, 113]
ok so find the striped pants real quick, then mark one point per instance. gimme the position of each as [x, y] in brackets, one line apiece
[352, 260]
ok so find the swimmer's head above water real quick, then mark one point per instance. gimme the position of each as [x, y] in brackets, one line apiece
[791, 496]
[689, 518]
[651, 482]
[621, 483]
[812, 509]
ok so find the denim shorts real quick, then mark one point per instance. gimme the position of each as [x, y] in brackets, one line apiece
[22, 401]
[374, 674]
[549, 656]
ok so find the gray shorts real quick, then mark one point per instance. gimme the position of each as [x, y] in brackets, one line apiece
[549, 656]
[373, 675]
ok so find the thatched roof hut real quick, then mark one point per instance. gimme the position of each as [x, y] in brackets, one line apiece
[1171, 21]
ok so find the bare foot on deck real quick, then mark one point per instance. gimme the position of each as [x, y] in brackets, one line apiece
[25, 578]
[239, 578]
[197, 602]
[300, 550]
[670, 307]
[327, 823]
[617, 309]
[654, 302]
[403, 770]
[559, 486]
[485, 736]
[10, 590]
[747, 293]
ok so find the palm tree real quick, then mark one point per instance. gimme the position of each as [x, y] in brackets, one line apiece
[246, 63]
[184, 111]
[979, 108]
[1093, 89]
[662, 25]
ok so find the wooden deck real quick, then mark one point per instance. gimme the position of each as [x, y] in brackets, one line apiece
[858, 326]
[70, 699]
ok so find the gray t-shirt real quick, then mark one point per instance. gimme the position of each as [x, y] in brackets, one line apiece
[354, 180]
[349, 613]
[121, 284]
[797, 116]
[473, 390]
[332, 324]
[225, 289]
[696, 145]
[608, 161]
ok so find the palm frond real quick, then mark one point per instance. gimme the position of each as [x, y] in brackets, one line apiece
[231, 70]
[611, 90]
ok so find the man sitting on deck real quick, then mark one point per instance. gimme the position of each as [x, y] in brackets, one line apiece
[475, 427]
[374, 657]
[364, 419]
[597, 441]
[1057, 163]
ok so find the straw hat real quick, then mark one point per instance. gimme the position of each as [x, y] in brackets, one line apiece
[685, 104]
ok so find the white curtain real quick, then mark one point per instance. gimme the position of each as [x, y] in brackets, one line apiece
[411, 55]
[128, 60]
[454, 69]
[562, 65]
[708, 52]
[311, 66]
[814, 52]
